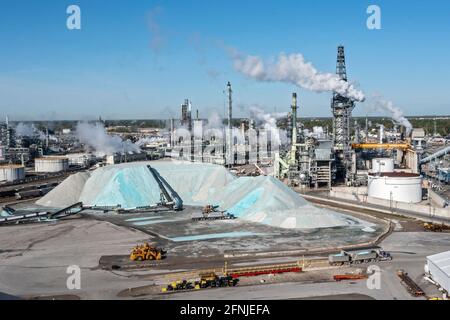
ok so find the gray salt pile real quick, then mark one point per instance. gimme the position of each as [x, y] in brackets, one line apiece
[259, 199]
[67, 193]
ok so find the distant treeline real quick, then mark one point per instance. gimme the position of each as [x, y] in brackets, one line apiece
[429, 123]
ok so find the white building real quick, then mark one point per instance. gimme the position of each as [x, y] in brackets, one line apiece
[438, 266]
[81, 159]
[123, 157]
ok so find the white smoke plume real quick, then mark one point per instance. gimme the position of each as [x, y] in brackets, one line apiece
[269, 123]
[29, 130]
[384, 106]
[215, 121]
[294, 69]
[96, 137]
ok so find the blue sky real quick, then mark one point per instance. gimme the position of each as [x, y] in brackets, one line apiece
[141, 59]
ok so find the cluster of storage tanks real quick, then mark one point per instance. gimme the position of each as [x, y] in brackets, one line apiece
[14, 173]
[384, 183]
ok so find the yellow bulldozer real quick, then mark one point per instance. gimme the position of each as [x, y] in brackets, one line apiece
[429, 226]
[147, 252]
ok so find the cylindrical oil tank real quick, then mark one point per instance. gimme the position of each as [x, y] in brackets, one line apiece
[395, 186]
[382, 165]
[12, 173]
[51, 164]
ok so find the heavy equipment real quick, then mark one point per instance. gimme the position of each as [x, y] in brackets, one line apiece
[211, 212]
[207, 280]
[179, 286]
[147, 252]
[359, 256]
[212, 280]
[169, 197]
[429, 226]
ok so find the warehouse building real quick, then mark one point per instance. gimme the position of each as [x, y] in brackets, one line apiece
[438, 266]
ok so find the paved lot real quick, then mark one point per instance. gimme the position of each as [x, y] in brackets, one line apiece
[34, 260]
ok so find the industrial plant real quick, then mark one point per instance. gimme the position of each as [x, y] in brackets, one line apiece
[215, 207]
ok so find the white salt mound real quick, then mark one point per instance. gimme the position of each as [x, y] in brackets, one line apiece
[67, 193]
[259, 199]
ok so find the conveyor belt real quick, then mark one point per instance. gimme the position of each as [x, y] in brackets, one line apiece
[32, 216]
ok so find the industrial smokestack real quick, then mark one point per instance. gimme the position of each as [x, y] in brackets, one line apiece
[293, 154]
[230, 105]
[294, 118]
[381, 133]
[47, 136]
[172, 127]
[230, 117]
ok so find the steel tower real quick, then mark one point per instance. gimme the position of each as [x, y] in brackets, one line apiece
[342, 108]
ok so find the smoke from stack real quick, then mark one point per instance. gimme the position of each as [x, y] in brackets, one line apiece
[96, 137]
[396, 113]
[29, 130]
[269, 122]
[295, 70]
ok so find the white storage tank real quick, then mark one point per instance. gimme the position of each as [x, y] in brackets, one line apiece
[12, 173]
[382, 165]
[51, 164]
[395, 186]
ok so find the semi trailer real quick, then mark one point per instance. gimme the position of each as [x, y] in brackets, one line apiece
[359, 256]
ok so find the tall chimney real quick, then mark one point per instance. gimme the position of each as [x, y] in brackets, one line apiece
[172, 127]
[230, 105]
[381, 133]
[294, 118]
[230, 117]
[294, 129]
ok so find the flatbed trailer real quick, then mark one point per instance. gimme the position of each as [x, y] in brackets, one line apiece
[412, 287]
[342, 277]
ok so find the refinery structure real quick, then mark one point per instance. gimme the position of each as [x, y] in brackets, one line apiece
[223, 206]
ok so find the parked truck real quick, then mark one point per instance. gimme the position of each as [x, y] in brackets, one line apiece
[359, 256]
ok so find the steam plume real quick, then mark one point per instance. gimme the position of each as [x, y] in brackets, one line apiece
[294, 69]
[384, 106]
[269, 123]
[96, 137]
[29, 130]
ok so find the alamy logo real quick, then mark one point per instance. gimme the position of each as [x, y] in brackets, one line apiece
[374, 280]
[74, 280]
[74, 19]
[374, 20]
